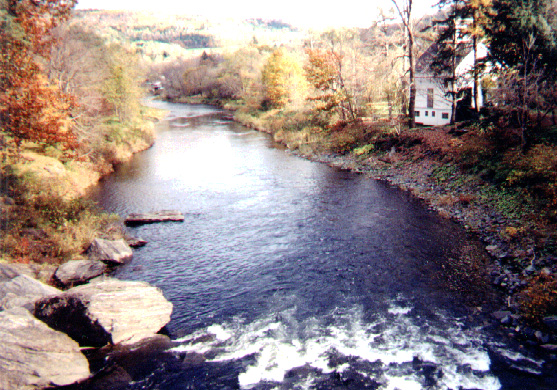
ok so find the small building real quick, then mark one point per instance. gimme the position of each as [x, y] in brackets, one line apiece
[434, 91]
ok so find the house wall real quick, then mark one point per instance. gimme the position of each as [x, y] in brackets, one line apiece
[440, 113]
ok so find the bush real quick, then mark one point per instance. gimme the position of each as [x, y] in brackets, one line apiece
[539, 299]
[535, 171]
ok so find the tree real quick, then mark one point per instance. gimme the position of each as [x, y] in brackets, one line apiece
[324, 73]
[522, 40]
[404, 10]
[274, 78]
[450, 47]
[282, 79]
[30, 107]
[121, 86]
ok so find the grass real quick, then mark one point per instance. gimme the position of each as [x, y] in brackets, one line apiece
[49, 221]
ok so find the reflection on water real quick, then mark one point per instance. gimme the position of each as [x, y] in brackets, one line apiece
[288, 274]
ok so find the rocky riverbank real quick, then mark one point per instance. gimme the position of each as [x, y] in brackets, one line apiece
[46, 332]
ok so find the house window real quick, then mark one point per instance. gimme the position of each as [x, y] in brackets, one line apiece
[433, 113]
[445, 115]
[426, 113]
[417, 113]
[430, 98]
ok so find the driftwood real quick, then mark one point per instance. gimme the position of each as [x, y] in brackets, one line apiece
[155, 216]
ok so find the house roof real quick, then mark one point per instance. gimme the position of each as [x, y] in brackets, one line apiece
[424, 63]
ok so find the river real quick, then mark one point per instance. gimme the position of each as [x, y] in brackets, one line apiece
[289, 274]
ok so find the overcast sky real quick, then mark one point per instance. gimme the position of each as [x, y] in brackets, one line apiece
[313, 13]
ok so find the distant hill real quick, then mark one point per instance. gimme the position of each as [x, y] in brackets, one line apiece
[163, 36]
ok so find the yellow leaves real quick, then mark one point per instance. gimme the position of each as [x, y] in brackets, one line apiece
[282, 78]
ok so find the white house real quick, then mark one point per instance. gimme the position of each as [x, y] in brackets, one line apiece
[433, 100]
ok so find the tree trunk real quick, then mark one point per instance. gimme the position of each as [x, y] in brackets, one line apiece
[475, 70]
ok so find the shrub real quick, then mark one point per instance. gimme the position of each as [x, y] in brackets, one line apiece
[539, 299]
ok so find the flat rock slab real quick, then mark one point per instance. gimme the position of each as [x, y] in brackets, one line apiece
[155, 216]
[107, 311]
[24, 291]
[110, 251]
[33, 356]
[76, 272]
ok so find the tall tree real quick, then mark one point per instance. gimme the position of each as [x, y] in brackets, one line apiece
[324, 73]
[274, 78]
[523, 43]
[30, 107]
[404, 10]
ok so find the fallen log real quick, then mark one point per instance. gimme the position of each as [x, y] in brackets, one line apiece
[154, 216]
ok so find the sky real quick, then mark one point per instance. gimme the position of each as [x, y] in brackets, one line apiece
[303, 13]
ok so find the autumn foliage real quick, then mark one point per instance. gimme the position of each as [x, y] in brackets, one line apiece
[30, 107]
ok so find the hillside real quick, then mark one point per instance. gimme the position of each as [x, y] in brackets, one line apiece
[161, 37]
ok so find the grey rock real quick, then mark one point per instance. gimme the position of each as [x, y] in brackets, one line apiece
[549, 347]
[155, 216]
[551, 322]
[135, 242]
[501, 314]
[24, 291]
[77, 272]
[107, 311]
[491, 248]
[33, 356]
[10, 271]
[110, 251]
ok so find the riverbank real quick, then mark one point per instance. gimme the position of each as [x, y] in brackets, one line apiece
[46, 221]
[45, 217]
[426, 163]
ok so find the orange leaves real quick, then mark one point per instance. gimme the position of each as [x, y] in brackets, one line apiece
[31, 108]
[38, 18]
[323, 69]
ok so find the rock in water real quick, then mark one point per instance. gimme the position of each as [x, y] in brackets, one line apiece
[110, 251]
[23, 291]
[77, 272]
[34, 356]
[107, 311]
[155, 216]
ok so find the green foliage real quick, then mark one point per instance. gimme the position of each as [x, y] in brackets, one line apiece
[121, 86]
[363, 150]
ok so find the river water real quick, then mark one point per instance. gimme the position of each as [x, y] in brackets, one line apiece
[289, 274]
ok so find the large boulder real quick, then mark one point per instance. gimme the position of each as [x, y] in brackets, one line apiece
[77, 272]
[24, 291]
[107, 311]
[33, 356]
[110, 251]
[36, 271]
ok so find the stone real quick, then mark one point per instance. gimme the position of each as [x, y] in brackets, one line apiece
[155, 216]
[501, 315]
[491, 248]
[77, 272]
[8, 272]
[135, 242]
[34, 356]
[110, 251]
[36, 271]
[24, 291]
[107, 311]
[551, 322]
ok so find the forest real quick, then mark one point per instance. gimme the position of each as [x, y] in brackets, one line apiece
[71, 96]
